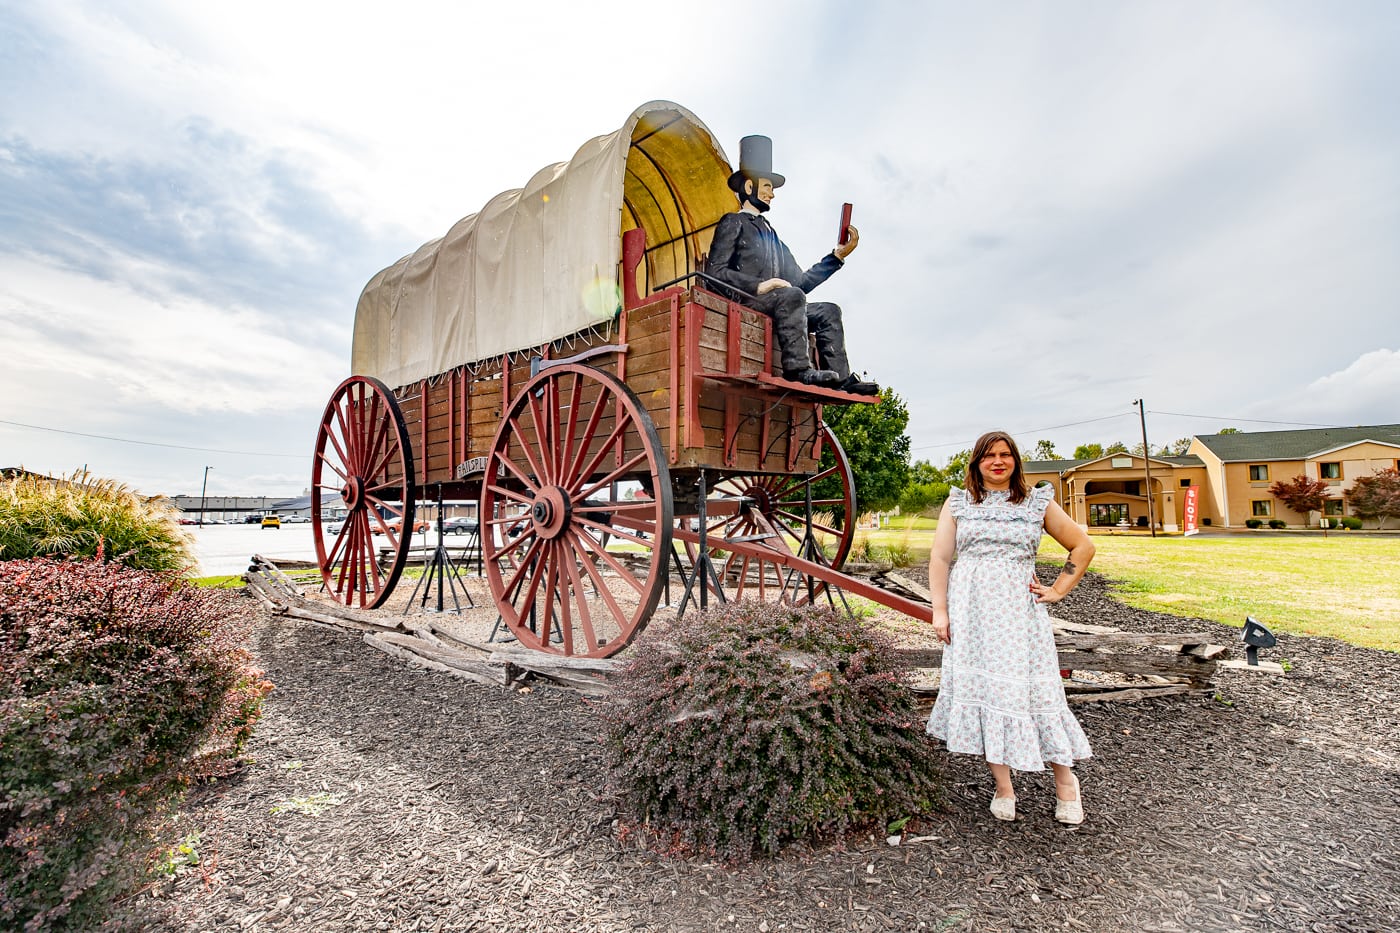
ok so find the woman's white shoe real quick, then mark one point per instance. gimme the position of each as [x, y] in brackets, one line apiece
[1070, 812]
[1004, 808]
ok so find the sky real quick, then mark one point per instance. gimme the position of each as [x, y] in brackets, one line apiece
[1063, 207]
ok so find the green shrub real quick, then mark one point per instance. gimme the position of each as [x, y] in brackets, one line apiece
[1277, 523]
[85, 517]
[899, 552]
[1254, 523]
[1350, 522]
[758, 724]
[119, 688]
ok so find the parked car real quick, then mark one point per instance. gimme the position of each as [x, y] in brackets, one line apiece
[253, 519]
[271, 521]
[333, 528]
[295, 519]
[394, 525]
[459, 526]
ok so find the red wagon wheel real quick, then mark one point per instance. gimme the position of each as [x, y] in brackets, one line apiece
[575, 548]
[777, 519]
[363, 454]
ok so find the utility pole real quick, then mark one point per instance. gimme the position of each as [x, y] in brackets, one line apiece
[1147, 467]
[203, 494]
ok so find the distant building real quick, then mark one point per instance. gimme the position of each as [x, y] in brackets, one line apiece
[21, 473]
[223, 508]
[1234, 473]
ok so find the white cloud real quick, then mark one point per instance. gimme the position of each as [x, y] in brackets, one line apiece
[70, 335]
[1365, 392]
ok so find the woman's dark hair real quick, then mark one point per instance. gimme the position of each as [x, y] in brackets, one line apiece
[975, 489]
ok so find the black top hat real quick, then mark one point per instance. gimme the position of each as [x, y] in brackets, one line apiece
[755, 161]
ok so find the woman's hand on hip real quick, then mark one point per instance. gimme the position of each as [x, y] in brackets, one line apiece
[1045, 594]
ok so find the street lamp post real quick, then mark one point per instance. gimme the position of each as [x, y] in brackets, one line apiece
[1147, 467]
[203, 495]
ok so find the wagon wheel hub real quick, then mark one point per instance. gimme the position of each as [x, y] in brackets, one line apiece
[763, 499]
[551, 512]
[353, 493]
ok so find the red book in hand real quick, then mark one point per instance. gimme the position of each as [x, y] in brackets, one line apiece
[844, 233]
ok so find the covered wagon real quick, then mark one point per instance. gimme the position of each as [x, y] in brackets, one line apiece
[557, 358]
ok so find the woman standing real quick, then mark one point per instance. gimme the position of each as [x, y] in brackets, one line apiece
[1000, 694]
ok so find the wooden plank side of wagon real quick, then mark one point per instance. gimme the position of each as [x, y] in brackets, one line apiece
[743, 429]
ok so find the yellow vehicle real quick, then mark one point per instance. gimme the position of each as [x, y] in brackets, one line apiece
[271, 521]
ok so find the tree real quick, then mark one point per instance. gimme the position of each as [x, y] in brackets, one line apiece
[1117, 447]
[956, 469]
[1044, 450]
[1176, 448]
[1228, 431]
[1376, 496]
[923, 497]
[1088, 452]
[1137, 449]
[1302, 494]
[923, 472]
[877, 449]
[926, 490]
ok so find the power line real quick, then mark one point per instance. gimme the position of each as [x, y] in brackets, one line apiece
[127, 440]
[1051, 427]
[1308, 424]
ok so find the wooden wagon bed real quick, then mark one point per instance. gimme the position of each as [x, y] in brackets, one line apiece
[701, 366]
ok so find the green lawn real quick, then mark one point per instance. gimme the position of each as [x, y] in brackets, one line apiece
[1345, 587]
[1348, 588]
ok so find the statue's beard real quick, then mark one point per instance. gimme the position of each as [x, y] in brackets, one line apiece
[759, 205]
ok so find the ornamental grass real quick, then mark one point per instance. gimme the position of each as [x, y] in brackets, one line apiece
[83, 516]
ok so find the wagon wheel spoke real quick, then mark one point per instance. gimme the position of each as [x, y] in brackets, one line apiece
[778, 510]
[621, 472]
[596, 563]
[334, 469]
[585, 617]
[566, 450]
[363, 439]
[529, 480]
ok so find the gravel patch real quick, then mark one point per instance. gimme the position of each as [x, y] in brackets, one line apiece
[384, 797]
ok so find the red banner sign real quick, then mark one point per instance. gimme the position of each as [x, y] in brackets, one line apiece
[1193, 509]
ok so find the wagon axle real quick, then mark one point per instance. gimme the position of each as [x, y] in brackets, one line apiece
[552, 512]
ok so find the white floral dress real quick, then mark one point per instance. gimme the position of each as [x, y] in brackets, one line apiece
[1000, 695]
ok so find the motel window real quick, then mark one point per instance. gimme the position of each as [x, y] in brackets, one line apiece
[1185, 483]
[1263, 508]
[1333, 507]
[1259, 473]
[1330, 470]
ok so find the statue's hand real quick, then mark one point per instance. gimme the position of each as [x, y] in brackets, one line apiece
[845, 249]
[768, 285]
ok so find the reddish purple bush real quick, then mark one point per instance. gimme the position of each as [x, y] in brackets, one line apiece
[759, 724]
[119, 687]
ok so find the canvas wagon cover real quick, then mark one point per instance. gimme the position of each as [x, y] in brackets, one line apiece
[543, 262]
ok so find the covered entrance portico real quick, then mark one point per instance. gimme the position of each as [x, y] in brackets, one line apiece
[1112, 491]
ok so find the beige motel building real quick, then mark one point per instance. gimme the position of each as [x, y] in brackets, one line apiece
[1233, 473]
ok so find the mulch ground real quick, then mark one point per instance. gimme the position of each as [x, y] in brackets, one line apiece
[384, 797]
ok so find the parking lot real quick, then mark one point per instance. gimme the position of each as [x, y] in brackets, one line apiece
[225, 549]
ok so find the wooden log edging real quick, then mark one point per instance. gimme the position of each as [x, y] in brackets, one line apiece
[420, 644]
[1171, 663]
